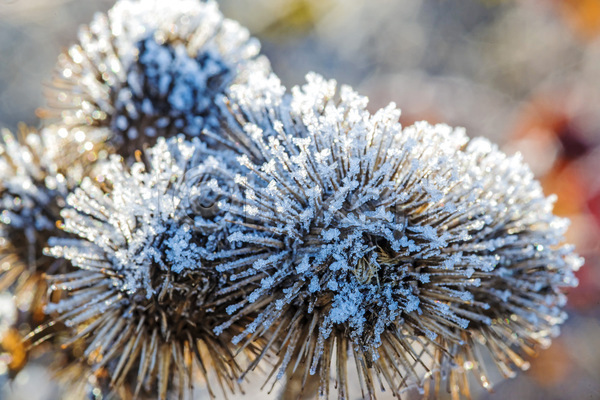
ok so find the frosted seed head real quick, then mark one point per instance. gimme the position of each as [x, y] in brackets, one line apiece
[141, 244]
[153, 68]
[394, 233]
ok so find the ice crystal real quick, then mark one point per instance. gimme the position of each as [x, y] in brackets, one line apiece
[152, 68]
[143, 294]
[403, 247]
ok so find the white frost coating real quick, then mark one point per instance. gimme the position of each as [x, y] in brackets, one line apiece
[133, 20]
[264, 102]
[415, 230]
[142, 226]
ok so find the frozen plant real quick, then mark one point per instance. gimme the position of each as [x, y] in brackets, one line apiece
[35, 177]
[151, 69]
[153, 65]
[143, 295]
[30, 193]
[401, 249]
[239, 223]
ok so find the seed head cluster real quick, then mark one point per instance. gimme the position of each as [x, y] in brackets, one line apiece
[198, 223]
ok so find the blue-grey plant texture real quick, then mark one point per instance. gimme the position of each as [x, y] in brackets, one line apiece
[183, 220]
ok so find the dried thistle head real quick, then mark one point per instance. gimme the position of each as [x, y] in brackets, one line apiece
[35, 177]
[143, 298]
[31, 194]
[29, 186]
[400, 249]
[150, 69]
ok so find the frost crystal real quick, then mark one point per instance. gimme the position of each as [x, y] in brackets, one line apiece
[152, 68]
[143, 293]
[402, 246]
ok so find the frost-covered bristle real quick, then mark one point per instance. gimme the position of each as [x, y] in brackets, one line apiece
[377, 239]
[144, 291]
[254, 108]
[152, 68]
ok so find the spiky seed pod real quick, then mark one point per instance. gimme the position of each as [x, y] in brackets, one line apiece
[143, 296]
[30, 199]
[401, 249]
[152, 68]
[34, 179]
[28, 188]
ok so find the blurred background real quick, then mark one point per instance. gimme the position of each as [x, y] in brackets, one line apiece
[525, 73]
